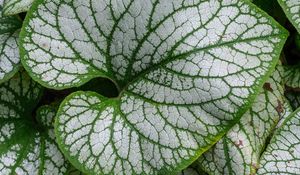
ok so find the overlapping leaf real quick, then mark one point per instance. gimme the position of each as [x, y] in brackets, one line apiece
[282, 156]
[9, 51]
[25, 146]
[12, 7]
[239, 151]
[292, 11]
[186, 71]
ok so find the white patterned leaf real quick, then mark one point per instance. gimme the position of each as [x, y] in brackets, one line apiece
[239, 151]
[9, 51]
[292, 11]
[186, 70]
[25, 148]
[282, 156]
[12, 7]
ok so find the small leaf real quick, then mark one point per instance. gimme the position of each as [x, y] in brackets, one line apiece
[239, 151]
[12, 7]
[292, 11]
[282, 155]
[26, 148]
[9, 51]
[186, 71]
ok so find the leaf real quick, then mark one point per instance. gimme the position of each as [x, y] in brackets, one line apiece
[67, 52]
[9, 51]
[12, 7]
[292, 11]
[25, 147]
[292, 76]
[239, 151]
[282, 154]
[186, 72]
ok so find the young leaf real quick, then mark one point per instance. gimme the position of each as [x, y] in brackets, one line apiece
[239, 151]
[9, 51]
[282, 155]
[187, 71]
[292, 11]
[12, 7]
[25, 147]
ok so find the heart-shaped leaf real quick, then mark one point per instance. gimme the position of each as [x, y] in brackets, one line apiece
[282, 155]
[292, 11]
[9, 51]
[239, 151]
[12, 7]
[25, 146]
[186, 71]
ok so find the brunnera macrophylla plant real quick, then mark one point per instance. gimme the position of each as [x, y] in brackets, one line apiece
[200, 85]
[186, 72]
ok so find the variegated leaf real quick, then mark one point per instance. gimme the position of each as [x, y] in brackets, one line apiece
[282, 156]
[239, 151]
[12, 7]
[27, 147]
[186, 71]
[292, 11]
[9, 51]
